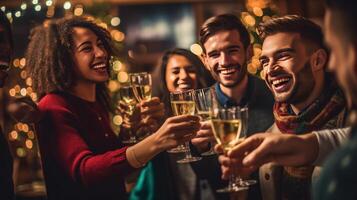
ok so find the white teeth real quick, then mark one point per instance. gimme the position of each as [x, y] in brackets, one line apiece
[275, 82]
[99, 66]
[227, 71]
[183, 86]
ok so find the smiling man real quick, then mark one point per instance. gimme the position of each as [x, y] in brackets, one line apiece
[226, 51]
[294, 60]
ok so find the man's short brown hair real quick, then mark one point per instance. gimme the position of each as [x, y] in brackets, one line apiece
[221, 23]
[308, 30]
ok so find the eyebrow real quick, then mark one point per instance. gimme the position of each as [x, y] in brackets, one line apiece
[82, 44]
[87, 42]
[179, 67]
[229, 47]
[278, 52]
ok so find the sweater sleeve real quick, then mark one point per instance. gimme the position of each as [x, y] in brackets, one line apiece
[329, 140]
[66, 146]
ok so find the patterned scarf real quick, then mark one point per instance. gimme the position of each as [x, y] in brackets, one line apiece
[325, 112]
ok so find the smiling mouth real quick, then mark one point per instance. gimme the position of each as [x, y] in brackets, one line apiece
[281, 84]
[101, 67]
[184, 86]
[227, 71]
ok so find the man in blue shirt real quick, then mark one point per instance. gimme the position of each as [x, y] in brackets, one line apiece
[226, 51]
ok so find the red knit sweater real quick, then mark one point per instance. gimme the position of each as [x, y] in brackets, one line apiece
[82, 157]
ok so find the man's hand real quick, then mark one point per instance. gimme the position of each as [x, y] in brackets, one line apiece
[233, 165]
[204, 137]
[262, 148]
[282, 149]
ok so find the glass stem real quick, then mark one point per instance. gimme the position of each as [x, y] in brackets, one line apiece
[231, 183]
[188, 152]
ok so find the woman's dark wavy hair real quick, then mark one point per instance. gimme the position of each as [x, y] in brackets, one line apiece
[204, 78]
[49, 56]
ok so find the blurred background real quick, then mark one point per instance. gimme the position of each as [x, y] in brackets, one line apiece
[142, 31]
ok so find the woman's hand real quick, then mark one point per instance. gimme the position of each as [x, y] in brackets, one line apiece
[131, 120]
[173, 132]
[177, 130]
[152, 108]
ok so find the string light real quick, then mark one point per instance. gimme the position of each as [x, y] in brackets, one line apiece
[25, 128]
[17, 88]
[196, 49]
[67, 5]
[9, 15]
[20, 152]
[117, 65]
[49, 3]
[22, 62]
[13, 135]
[117, 120]
[16, 62]
[117, 35]
[3, 8]
[29, 144]
[23, 74]
[249, 20]
[34, 2]
[29, 90]
[23, 6]
[258, 11]
[38, 8]
[31, 135]
[113, 85]
[29, 81]
[78, 11]
[12, 92]
[23, 92]
[18, 14]
[123, 77]
[115, 21]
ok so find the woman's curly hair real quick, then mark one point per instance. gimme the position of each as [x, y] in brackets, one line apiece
[49, 56]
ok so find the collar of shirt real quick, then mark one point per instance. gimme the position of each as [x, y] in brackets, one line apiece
[227, 102]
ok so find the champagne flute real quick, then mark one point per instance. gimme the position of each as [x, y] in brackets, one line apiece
[227, 126]
[142, 85]
[203, 100]
[244, 118]
[127, 96]
[182, 103]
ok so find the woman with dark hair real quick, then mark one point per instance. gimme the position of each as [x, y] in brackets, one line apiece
[163, 178]
[68, 60]
[202, 77]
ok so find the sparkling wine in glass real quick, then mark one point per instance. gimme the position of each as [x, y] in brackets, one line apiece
[203, 103]
[227, 126]
[142, 85]
[127, 96]
[182, 103]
